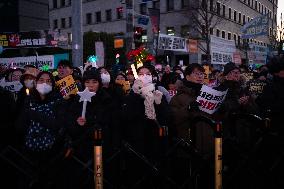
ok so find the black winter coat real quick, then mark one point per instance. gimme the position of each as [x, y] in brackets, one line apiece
[137, 129]
[271, 103]
[39, 124]
[7, 111]
[98, 115]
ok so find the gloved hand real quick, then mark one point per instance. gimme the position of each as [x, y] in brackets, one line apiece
[137, 86]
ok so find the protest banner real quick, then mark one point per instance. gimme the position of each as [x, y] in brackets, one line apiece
[14, 86]
[222, 50]
[21, 62]
[172, 43]
[256, 87]
[172, 92]
[247, 76]
[67, 86]
[257, 54]
[256, 27]
[210, 99]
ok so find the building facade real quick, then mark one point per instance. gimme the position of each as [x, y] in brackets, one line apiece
[110, 16]
[23, 15]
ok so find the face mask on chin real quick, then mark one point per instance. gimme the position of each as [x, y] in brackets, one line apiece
[105, 78]
[43, 88]
[146, 79]
[29, 83]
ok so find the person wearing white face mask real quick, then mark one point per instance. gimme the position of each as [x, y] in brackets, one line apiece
[105, 76]
[39, 126]
[44, 85]
[28, 82]
[144, 110]
[146, 79]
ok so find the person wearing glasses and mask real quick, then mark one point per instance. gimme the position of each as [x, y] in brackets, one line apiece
[184, 110]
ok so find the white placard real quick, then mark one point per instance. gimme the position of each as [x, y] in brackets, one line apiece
[14, 86]
[20, 62]
[210, 99]
[222, 50]
[172, 43]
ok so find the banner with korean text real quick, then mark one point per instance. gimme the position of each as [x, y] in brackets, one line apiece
[67, 86]
[222, 50]
[256, 27]
[172, 43]
[210, 99]
[14, 86]
[20, 62]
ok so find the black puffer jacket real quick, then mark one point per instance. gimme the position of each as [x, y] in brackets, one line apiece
[137, 129]
[231, 103]
[7, 117]
[98, 115]
[272, 101]
[38, 123]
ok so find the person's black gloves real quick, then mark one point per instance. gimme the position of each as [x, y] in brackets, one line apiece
[194, 106]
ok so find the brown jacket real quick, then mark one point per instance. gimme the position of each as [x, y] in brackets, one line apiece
[183, 116]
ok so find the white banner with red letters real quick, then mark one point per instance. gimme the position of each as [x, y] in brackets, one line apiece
[210, 99]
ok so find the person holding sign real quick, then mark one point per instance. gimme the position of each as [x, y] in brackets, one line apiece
[185, 108]
[81, 128]
[64, 69]
[185, 99]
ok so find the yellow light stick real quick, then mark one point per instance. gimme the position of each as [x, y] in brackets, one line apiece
[27, 92]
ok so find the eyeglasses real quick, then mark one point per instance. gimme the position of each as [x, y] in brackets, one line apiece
[198, 74]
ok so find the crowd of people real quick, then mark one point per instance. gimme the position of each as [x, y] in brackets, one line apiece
[49, 129]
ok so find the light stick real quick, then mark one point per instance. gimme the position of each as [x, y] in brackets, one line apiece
[134, 71]
[27, 92]
[85, 96]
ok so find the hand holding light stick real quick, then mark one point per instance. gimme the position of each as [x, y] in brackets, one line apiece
[27, 92]
[134, 71]
[85, 96]
[84, 109]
